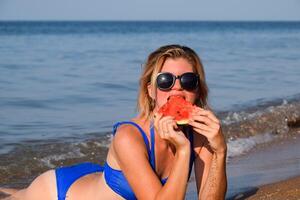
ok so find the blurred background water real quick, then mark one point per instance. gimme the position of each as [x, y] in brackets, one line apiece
[70, 79]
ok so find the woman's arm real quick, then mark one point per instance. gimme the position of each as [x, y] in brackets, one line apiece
[133, 160]
[216, 183]
[210, 148]
[210, 171]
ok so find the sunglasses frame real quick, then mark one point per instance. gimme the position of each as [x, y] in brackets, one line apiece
[174, 80]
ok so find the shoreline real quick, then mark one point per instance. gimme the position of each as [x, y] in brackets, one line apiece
[276, 177]
[253, 137]
[288, 189]
[263, 171]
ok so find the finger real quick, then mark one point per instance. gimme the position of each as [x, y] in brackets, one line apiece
[170, 124]
[170, 129]
[215, 122]
[207, 113]
[175, 126]
[203, 119]
[200, 126]
[174, 131]
[172, 135]
[196, 110]
[165, 121]
[157, 126]
[160, 127]
[212, 116]
[163, 124]
[205, 123]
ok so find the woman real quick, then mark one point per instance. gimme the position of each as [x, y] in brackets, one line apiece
[150, 157]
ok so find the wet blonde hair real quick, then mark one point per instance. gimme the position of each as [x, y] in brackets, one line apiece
[153, 66]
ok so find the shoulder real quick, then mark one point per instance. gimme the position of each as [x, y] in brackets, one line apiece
[127, 134]
[128, 139]
[42, 187]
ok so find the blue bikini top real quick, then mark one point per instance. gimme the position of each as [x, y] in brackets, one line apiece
[115, 179]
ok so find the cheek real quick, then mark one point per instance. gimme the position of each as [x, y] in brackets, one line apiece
[161, 97]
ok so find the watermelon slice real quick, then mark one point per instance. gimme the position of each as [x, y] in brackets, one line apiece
[178, 108]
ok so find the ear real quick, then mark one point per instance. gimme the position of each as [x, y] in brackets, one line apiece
[151, 91]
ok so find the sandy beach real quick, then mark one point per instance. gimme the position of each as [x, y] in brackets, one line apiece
[269, 171]
[288, 189]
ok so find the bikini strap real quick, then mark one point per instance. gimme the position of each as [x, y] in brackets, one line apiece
[152, 152]
[152, 155]
[192, 157]
[115, 127]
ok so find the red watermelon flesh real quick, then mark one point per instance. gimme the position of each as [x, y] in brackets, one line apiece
[178, 108]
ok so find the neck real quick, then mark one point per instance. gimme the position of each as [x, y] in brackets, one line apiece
[143, 122]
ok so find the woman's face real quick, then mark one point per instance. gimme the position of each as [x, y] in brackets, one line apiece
[177, 67]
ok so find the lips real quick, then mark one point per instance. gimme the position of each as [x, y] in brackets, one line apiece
[178, 95]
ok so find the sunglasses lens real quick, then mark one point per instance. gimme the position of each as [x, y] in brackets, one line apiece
[165, 81]
[189, 81]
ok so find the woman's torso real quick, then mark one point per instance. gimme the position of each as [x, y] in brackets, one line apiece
[164, 157]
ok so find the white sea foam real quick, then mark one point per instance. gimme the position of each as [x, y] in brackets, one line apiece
[47, 161]
[234, 117]
[103, 142]
[241, 145]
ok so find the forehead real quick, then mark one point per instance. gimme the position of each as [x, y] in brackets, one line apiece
[177, 66]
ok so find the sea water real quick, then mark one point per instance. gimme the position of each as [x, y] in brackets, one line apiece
[64, 84]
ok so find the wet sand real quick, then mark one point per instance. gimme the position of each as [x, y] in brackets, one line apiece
[288, 189]
[267, 163]
[269, 171]
[255, 174]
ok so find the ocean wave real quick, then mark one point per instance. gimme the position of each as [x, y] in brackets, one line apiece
[244, 131]
[239, 146]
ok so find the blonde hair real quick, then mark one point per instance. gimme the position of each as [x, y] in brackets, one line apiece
[153, 66]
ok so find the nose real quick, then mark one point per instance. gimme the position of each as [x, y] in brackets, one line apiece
[177, 85]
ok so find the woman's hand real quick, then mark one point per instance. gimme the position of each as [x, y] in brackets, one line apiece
[205, 123]
[167, 129]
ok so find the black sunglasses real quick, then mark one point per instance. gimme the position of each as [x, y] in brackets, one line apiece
[188, 81]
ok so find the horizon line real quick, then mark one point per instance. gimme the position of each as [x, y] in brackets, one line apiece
[131, 20]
